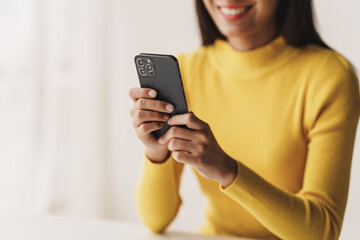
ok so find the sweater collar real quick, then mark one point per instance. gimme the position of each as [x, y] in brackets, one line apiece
[253, 62]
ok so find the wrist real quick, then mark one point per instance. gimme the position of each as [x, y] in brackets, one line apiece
[157, 155]
[230, 173]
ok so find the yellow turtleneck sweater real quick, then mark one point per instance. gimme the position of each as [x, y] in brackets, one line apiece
[289, 117]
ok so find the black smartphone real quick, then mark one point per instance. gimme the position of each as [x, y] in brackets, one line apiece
[162, 73]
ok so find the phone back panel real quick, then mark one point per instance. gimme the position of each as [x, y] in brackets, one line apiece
[167, 83]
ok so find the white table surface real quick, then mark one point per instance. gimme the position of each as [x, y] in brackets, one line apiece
[41, 227]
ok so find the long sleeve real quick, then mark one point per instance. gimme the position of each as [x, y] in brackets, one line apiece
[157, 195]
[315, 212]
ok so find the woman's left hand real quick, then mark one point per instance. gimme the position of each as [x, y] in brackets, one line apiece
[198, 147]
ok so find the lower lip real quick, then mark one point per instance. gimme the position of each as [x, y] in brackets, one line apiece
[235, 17]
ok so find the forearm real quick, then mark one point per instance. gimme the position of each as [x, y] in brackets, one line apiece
[304, 215]
[157, 198]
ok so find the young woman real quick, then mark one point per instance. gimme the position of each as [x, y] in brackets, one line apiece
[273, 118]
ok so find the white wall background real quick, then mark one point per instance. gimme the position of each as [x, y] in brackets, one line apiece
[66, 141]
[338, 24]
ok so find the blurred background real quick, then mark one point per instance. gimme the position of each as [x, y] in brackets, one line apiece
[67, 145]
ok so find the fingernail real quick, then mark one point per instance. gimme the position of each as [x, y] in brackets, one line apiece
[152, 93]
[169, 108]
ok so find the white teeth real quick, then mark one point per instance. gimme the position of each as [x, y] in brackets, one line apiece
[232, 11]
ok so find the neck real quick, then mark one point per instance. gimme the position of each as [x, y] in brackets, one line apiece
[252, 41]
[245, 65]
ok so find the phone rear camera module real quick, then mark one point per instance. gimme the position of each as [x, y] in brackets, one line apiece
[145, 66]
[140, 62]
[149, 68]
[142, 71]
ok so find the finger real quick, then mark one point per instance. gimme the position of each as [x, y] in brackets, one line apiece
[136, 93]
[146, 128]
[188, 119]
[154, 105]
[176, 144]
[142, 116]
[176, 132]
[182, 157]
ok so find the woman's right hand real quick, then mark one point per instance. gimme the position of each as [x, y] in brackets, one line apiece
[148, 115]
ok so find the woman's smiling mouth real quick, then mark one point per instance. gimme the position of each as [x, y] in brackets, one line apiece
[233, 13]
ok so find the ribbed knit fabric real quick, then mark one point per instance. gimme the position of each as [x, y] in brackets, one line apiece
[289, 117]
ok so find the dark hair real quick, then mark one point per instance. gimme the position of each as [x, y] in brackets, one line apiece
[295, 21]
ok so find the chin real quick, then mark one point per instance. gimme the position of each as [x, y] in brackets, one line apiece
[234, 31]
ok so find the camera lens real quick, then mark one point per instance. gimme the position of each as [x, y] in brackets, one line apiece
[140, 62]
[142, 71]
[149, 68]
